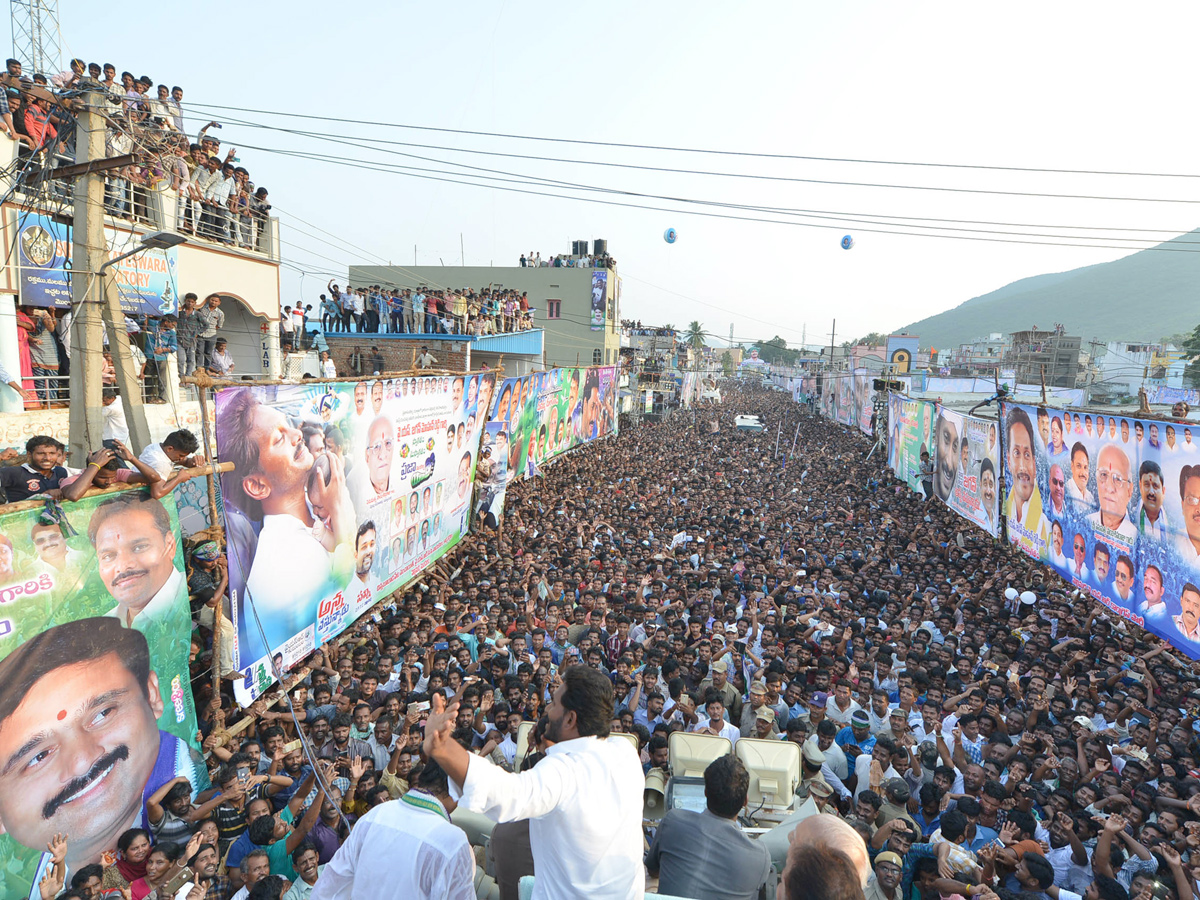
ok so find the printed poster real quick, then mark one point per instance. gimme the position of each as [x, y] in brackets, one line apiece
[341, 494]
[96, 709]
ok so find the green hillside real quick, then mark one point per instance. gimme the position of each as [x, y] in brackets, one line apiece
[1140, 298]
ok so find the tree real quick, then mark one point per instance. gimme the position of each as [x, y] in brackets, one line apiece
[1191, 352]
[874, 339]
[776, 352]
[695, 335]
[727, 364]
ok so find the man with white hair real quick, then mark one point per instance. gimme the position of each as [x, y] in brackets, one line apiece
[1114, 487]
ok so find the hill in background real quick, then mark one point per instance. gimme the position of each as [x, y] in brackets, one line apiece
[1142, 297]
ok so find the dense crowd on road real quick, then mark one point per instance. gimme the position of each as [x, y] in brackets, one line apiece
[981, 730]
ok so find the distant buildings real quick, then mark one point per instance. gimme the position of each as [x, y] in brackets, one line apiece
[1119, 368]
[981, 356]
[1032, 352]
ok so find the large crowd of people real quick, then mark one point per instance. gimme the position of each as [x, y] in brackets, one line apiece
[217, 200]
[379, 310]
[968, 727]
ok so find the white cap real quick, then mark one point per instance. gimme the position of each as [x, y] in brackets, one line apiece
[1010, 593]
[1028, 597]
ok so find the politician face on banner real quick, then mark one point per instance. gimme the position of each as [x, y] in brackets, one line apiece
[79, 708]
[945, 466]
[135, 553]
[1027, 524]
[1127, 503]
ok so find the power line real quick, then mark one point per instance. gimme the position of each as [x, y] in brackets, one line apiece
[393, 169]
[888, 186]
[698, 150]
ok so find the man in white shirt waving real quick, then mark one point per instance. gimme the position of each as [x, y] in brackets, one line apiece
[407, 850]
[584, 800]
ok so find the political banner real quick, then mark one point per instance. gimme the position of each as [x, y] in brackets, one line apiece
[1112, 503]
[95, 633]
[965, 456]
[599, 298]
[145, 282]
[341, 493]
[538, 417]
[910, 429]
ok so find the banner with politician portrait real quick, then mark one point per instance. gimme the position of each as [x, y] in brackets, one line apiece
[1113, 504]
[535, 418]
[341, 493]
[96, 709]
[910, 430]
[966, 454]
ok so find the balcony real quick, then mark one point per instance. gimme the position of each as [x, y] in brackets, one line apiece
[143, 208]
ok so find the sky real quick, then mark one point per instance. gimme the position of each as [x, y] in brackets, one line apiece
[1064, 86]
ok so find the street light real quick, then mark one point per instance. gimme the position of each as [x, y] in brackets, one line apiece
[155, 240]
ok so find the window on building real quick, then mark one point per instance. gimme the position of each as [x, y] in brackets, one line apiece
[607, 356]
[596, 357]
[553, 309]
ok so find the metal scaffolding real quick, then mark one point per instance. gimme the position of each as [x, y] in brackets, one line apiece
[37, 42]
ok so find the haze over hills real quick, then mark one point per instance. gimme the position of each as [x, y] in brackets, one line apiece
[1142, 297]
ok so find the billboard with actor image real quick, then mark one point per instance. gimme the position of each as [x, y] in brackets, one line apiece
[96, 709]
[341, 493]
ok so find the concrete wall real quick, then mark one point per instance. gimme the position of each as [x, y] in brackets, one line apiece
[398, 353]
[569, 338]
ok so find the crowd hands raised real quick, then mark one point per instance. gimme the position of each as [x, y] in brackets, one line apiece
[379, 310]
[956, 741]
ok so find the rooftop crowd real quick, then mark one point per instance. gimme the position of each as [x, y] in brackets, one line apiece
[378, 310]
[567, 261]
[973, 728]
[217, 199]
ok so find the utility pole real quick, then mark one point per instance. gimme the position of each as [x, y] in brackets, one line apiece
[94, 299]
[86, 416]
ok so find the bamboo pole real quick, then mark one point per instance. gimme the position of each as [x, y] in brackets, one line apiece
[195, 472]
[215, 526]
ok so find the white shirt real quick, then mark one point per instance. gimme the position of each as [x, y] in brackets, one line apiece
[584, 803]
[154, 456]
[359, 593]
[728, 729]
[835, 758]
[862, 768]
[115, 427]
[221, 362]
[160, 604]
[403, 852]
[834, 712]
[288, 563]
[329, 369]
[1125, 529]
[1084, 496]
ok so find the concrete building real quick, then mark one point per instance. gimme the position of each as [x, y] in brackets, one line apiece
[38, 244]
[1122, 367]
[1055, 352]
[578, 308]
[981, 356]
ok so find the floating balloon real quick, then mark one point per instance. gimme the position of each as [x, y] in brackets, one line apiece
[847, 242]
[669, 235]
